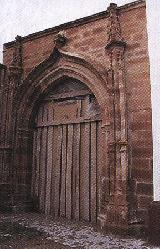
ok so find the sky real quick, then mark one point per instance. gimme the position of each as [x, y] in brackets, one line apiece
[21, 17]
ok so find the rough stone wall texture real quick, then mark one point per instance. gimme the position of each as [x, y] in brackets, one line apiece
[88, 37]
[154, 218]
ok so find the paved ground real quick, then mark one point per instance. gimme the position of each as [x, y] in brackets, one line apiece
[33, 231]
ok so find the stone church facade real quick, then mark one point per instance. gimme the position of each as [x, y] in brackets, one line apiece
[75, 132]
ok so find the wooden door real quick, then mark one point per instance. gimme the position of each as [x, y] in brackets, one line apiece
[66, 155]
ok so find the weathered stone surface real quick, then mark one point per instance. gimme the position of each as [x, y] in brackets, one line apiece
[108, 53]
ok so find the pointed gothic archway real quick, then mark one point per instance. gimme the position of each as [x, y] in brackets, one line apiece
[67, 152]
[28, 108]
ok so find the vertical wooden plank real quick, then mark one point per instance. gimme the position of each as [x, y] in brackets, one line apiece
[58, 162]
[73, 175]
[84, 106]
[79, 109]
[76, 169]
[50, 112]
[63, 173]
[40, 116]
[37, 159]
[4, 179]
[99, 163]
[2, 167]
[69, 172]
[34, 164]
[54, 160]
[1, 160]
[49, 161]
[49, 170]
[93, 182]
[43, 160]
[43, 169]
[84, 172]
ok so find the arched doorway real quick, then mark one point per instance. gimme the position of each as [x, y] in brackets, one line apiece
[67, 152]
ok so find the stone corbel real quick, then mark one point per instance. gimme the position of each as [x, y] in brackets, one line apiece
[60, 40]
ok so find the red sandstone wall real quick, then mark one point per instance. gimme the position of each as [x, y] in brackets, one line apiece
[133, 24]
[90, 39]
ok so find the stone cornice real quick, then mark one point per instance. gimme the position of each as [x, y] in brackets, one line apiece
[78, 22]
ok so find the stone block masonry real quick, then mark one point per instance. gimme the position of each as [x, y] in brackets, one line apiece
[88, 82]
